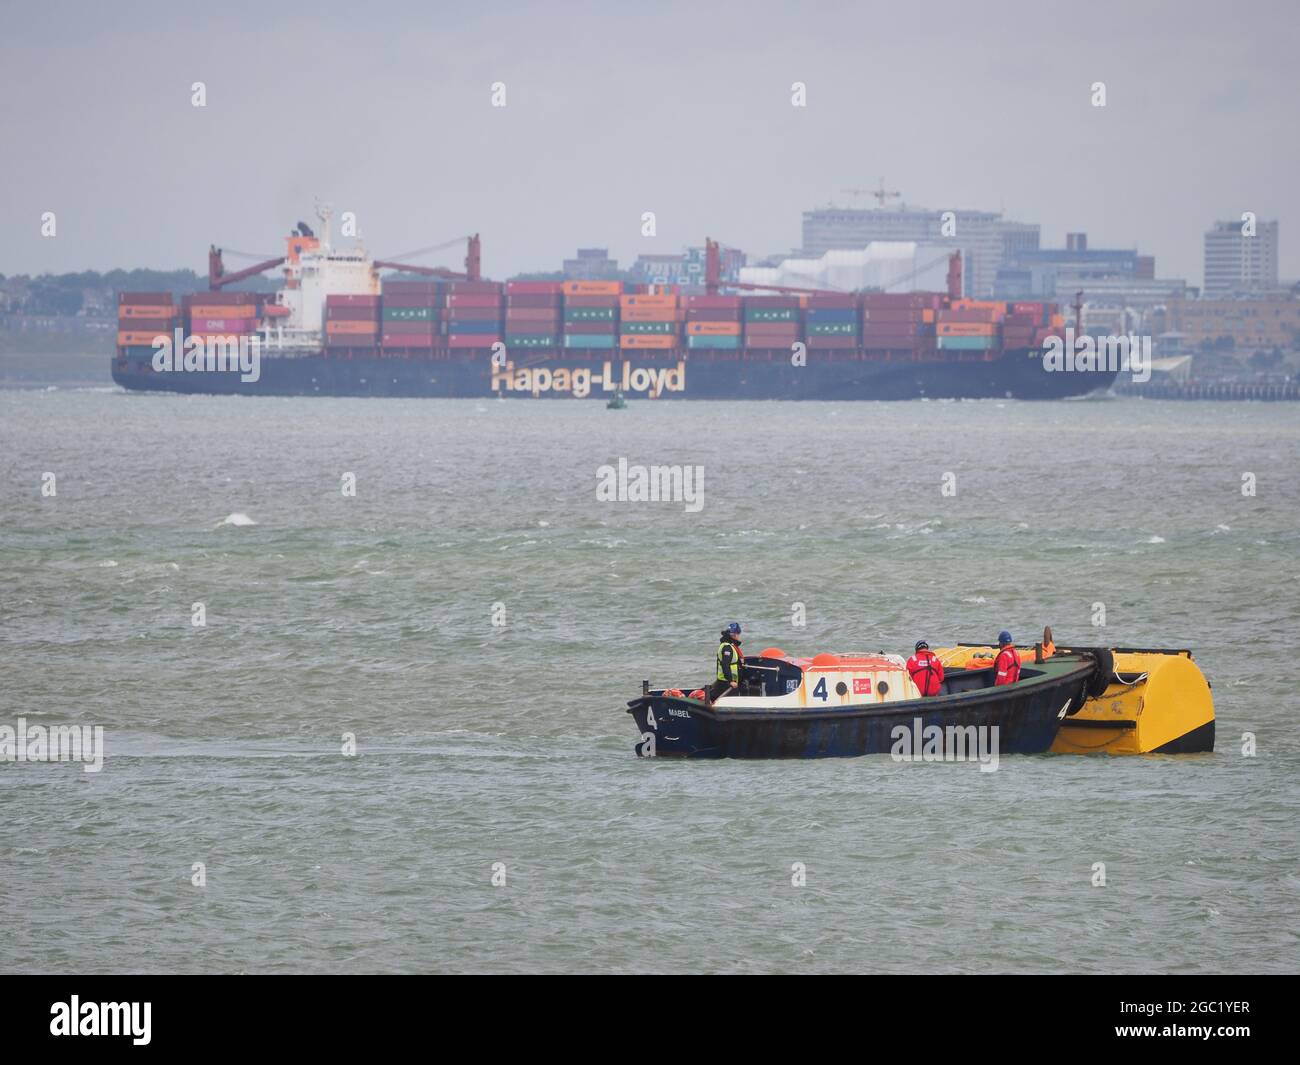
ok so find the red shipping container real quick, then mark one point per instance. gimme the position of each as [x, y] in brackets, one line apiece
[474, 299]
[731, 315]
[532, 314]
[591, 301]
[902, 300]
[848, 301]
[908, 315]
[481, 288]
[408, 340]
[472, 340]
[772, 329]
[473, 314]
[534, 288]
[154, 298]
[222, 299]
[773, 303]
[351, 300]
[713, 303]
[351, 314]
[145, 325]
[533, 300]
[411, 288]
[411, 299]
[818, 340]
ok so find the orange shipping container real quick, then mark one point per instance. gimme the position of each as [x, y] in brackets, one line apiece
[927, 316]
[341, 325]
[145, 310]
[128, 339]
[649, 314]
[713, 329]
[637, 302]
[965, 329]
[647, 340]
[227, 310]
[593, 288]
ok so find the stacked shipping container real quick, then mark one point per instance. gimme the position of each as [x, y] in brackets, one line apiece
[649, 322]
[713, 322]
[772, 321]
[534, 311]
[222, 314]
[591, 314]
[902, 321]
[411, 315]
[474, 313]
[352, 322]
[832, 322]
[141, 316]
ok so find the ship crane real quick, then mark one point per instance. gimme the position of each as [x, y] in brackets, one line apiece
[473, 261]
[219, 279]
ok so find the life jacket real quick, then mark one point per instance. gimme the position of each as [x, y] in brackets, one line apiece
[1007, 666]
[736, 659]
[926, 672]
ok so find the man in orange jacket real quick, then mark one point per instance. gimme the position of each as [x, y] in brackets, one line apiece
[1007, 665]
[925, 670]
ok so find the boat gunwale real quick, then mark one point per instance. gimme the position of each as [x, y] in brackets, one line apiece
[955, 701]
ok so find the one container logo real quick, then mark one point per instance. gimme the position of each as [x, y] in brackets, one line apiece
[1089, 354]
[178, 353]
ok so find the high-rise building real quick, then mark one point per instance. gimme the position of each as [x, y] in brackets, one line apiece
[985, 238]
[1235, 262]
[592, 264]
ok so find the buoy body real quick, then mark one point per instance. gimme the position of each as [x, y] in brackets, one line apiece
[1152, 701]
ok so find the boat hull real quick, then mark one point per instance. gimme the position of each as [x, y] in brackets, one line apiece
[1025, 719]
[681, 375]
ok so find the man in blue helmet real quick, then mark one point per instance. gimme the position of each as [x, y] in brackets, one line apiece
[1006, 666]
[730, 663]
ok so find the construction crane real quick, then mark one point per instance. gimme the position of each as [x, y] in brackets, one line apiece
[881, 194]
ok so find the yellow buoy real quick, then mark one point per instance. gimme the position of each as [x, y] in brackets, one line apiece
[1155, 701]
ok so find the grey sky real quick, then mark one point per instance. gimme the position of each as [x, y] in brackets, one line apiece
[613, 109]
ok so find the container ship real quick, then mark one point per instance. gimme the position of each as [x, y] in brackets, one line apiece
[339, 327]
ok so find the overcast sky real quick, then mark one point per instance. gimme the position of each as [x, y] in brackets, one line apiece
[613, 109]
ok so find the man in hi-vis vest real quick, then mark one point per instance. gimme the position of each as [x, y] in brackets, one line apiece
[730, 661]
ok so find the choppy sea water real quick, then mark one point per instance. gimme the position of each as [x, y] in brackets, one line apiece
[481, 744]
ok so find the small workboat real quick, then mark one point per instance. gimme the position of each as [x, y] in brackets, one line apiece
[1075, 701]
[616, 402]
[844, 705]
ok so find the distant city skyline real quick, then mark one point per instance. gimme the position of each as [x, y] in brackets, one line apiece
[685, 112]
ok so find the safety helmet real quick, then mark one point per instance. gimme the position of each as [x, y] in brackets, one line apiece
[734, 628]
[921, 645]
[1004, 637]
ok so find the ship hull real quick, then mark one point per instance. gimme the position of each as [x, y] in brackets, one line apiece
[1013, 375]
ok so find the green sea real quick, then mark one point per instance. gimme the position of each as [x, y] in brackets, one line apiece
[398, 742]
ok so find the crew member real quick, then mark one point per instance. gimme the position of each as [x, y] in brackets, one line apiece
[730, 661]
[925, 670]
[1007, 665]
